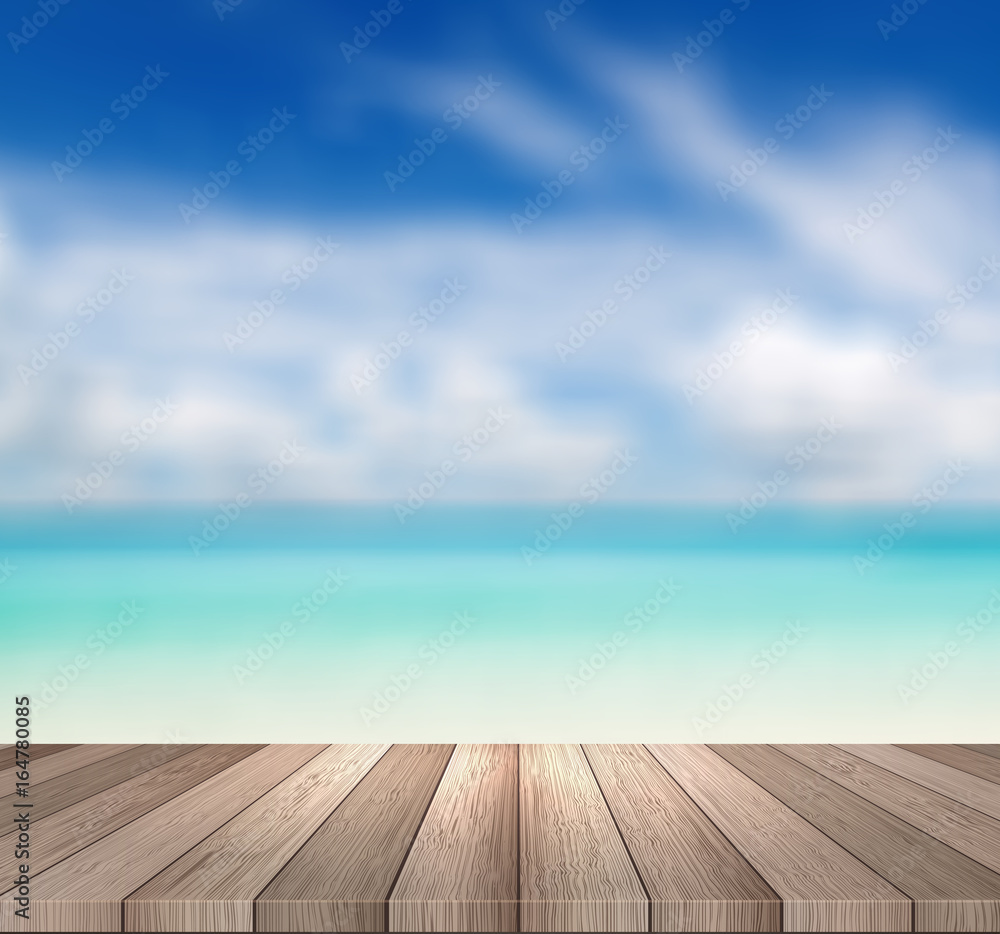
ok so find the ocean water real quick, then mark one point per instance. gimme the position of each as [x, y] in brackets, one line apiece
[629, 623]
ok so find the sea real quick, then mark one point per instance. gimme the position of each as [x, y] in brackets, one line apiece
[536, 622]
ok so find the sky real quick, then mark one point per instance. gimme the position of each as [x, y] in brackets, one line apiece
[713, 248]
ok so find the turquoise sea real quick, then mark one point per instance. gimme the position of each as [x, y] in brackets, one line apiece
[638, 622]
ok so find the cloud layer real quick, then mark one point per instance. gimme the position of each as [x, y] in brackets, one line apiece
[380, 355]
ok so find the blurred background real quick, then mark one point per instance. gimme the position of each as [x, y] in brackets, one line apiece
[548, 313]
[845, 157]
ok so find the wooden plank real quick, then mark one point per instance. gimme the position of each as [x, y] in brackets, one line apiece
[212, 887]
[576, 874]
[461, 874]
[987, 749]
[671, 843]
[85, 891]
[966, 760]
[967, 830]
[64, 761]
[953, 783]
[60, 835]
[950, 891]
[341, 879]
[37, 750]
[64, 790]
[41, 750]
[822, 885]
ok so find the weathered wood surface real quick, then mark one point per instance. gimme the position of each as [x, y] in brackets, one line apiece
[488, 837]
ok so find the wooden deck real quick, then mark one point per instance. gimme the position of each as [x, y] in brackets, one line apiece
[505, 838]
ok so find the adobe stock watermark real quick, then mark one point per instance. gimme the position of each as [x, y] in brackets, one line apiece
[224, 7]
[796, 458]
[590, 491]
[58, 341]
[249, 149]
[131, 439]
[929, 328]
[632, 623]
[293, 277]
[899, 17]
[762, 662]
[427, 655]
[302, 611]
[563, 12]
[419, 321]
[786, 127]
[6, 570]
[96, 645]
[454, 117]
[913, 169]
[258, 483]
[581, 158]
[714, 28]
[753, 330]
[924, 673]
[372, 29]
[923, 502]
[122, 107]
[46, 12]
[627, 286]
[436, 479]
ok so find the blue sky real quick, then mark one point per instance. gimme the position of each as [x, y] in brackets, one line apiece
[912, 108]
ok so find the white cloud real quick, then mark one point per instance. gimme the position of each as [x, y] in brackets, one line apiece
[495, 344]
[510, 117]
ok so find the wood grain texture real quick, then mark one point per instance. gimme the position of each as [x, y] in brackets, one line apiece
[63, 761]
[953, 783]
[341, 879]
[453, 838]
[967, 830]
[88, 888]
[672, 843]
[987, 749]
[461, 874]
[37, 750]
[967, 760]
[60, 835]
[950, 891]
[576, 874]
[212, 887]
[64, 790]
[823, 886]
